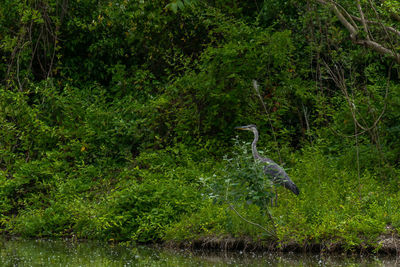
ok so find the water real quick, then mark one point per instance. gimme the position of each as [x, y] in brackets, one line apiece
[67, 253]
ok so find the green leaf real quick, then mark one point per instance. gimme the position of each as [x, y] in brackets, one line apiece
[180, 4]
[172, 6]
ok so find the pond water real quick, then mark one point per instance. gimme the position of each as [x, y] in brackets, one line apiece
[67, 253]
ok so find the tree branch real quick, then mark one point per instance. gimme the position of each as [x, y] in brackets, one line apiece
[250, 222]
[363, 20]
[353, 31]
[378, 48]
[391, 29]
[347, 23]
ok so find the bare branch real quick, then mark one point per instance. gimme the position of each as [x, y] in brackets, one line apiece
[391, 29]
[353, 31]
[256, 88]
[379, 48]
[348, 23]
[250, 222]
[339, 79]
[363, 20]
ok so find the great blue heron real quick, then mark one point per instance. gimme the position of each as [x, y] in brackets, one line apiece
[273, 170]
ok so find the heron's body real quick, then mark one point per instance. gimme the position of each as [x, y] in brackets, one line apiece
[279, 176]
[271, 169]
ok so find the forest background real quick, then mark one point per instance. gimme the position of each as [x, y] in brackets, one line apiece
[117, 120]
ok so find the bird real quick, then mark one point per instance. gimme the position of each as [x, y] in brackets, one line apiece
[271, 168]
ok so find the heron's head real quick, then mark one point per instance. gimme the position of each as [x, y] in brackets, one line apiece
[251, 127]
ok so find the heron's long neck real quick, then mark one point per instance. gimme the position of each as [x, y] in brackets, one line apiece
[254, 147]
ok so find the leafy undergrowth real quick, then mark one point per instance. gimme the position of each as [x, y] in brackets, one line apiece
[135, 203]
[115, 117]
[335, 208]
[166, 196]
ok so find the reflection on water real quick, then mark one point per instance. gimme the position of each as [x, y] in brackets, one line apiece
[66, 253]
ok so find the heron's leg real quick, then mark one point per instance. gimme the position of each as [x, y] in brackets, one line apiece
[274, 198]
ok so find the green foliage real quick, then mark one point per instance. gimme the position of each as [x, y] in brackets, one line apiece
[334, 208]
[115, 116]
[209, 100]
[217, 220]
[179, 4]
[241, 180]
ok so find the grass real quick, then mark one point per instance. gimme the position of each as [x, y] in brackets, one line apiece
[187, 201]
[335, 208]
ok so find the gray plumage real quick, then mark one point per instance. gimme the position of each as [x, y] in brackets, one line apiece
[273, 170]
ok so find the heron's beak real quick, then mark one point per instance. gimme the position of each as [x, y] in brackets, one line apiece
[241, 128]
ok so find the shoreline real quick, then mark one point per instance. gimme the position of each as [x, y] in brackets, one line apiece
[385, 244]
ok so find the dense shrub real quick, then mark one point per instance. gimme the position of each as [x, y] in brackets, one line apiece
[117, 121]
